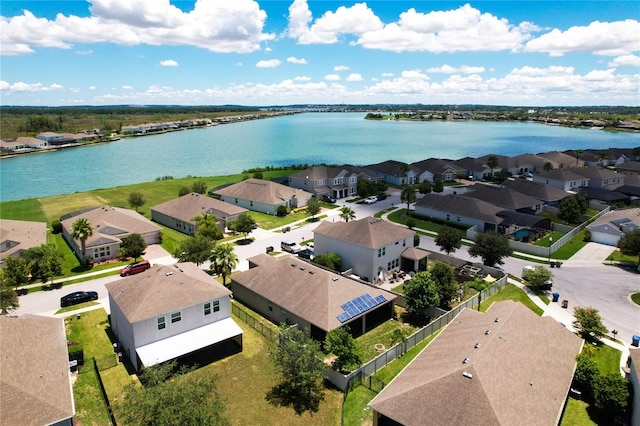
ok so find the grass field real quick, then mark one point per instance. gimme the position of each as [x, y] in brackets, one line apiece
[511, 292]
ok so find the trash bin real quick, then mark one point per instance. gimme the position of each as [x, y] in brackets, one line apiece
[635, 341]
[565, 304]
[552, 264]
[556, 296]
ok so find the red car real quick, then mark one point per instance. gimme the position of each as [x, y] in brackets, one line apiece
[135, 268]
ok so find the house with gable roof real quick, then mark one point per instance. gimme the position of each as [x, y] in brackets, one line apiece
[262, 196]
[179, 213]
[609, 228]
[601, 178]
[332, 182]
[290, 290]
[110, 225]
[18, 236]
[562, 160]
[370, 247]
[549, 195]
[170, 312]
[435, 168]
[35, 381]
[529, 163]
[566, 180]
[506, 198]
[507, 366]
[460, 209]
[395, 172]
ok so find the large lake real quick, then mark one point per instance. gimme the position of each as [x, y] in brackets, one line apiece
[332, 138]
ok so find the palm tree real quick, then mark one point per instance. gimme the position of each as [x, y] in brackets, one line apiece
[408, 195]
[223, 260]
[578, 157]
[81, 230]
[347, 213]
[207, 224]
[492, 163]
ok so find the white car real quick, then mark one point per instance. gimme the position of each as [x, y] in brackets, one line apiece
[371, 200]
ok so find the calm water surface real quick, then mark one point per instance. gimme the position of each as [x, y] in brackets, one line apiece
[333, 138]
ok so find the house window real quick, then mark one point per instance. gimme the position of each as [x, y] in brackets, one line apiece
[216, 306]
[176, 317]
[207, 308]
[161, 324]
[251, 203]
[404, 243]
[336, 181]
[448, 216]
[458, 218]
[381, 251]
[353, 179]
[270, 308]
[236, 201]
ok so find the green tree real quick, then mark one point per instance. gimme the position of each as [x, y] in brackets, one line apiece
[341, 343]
[133, 246]
[587, 372]
[611, 393]
[572, 208]
[491, 247]
[313, 206]
[492, 163]
[588, 322]
[330, 260]
[347, 213]
[199, 187]
[410, 222]
[244, 224]
[448, 239]
[365, 188]
[169, 398]
[194, 249]
[538, 276]
[421, 292]
[207, 224]
[629, 244]
[299, 369]
[547, 166]
[223, 260]
[184, 191]
[408, 195]
[9, 300]
[425, 187]
[282, 210]
[447, 286]
[81, 230]
[136, 200]
[438, 186]
[45, 261]
[15, 271]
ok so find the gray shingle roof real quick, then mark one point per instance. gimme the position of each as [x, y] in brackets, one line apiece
[563, 175]
[462, 205]
[163, 289]
[262, 191]
[305, 290]
[368, 232]
[598, 173]
[520, 372]
[35, 385]
[501, 196]
[538, 190]
[191, 205]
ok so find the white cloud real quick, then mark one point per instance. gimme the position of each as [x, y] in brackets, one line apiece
[169, 63]
[601, 38]
[127, 87]
[217, 26]
[271, 63]
[295, 60]
[84, 52]
[302, 78]
[355, 20]
[414, 75]
[625, 61]
[341, 68]
[464, 69]
[388, 74]
[332, 77]
[27, 87]
[354, 77]
[92, 87]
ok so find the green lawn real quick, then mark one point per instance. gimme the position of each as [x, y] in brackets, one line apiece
[575, 414]
[511, 292]
[569, 249]
[382, 334]
[636, 298]
[544, 241]
[400, 216]
[607, 358]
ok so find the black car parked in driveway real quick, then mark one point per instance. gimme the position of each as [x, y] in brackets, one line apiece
[78, 297]
[381, 196]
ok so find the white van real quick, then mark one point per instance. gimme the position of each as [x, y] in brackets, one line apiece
[290, 246]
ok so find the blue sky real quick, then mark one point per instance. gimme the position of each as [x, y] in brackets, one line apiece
[280, 52]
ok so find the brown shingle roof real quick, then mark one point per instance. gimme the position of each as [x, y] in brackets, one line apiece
[368, 232]
[35, 386]
[305, 290]
[519, 374]
[163, 289]
[262, 191]
[191, 205]
[21, 235]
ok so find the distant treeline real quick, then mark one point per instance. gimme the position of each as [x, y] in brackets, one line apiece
[289, 167]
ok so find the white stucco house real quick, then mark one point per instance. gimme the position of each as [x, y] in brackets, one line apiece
[370, 247]
[612, 226]
[262, 196]
[169, 312]
[563, 179]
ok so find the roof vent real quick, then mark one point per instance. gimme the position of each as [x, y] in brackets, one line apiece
[335, 278]
[465, 361]
[169, 273]
[302, 268]
[477, 345]
[467, 375]
[311, 272]
[293, 265]
[498, 319]
[487, 332]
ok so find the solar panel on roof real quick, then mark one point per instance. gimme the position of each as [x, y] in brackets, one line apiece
[343, 317]
[380, 299]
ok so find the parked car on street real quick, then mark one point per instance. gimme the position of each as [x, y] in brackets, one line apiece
[290, 246]
[306, 254]
[381, 196]
[78, 297]
[371, 200]
[135, 268]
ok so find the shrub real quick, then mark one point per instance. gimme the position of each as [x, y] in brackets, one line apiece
[56, 227]
[281, 211]
[76, 352]
[411, 223]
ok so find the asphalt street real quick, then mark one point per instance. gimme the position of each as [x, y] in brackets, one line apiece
[583, 280]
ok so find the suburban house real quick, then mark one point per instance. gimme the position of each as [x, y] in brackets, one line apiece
[506, 198]
[507, 366]
[110, 225]
[529, 163]
[632, 167]
[170, 312]
[262, 196]
[18, 236]
[395, 172]
[179, 213]
[460, 209]
[435, 168]
[609, 228]
[333, 182]
[631, 187]
[290, 290]
[601, 178]
[633, 364]
[505, 163]
[35, 381]
[561, 160]
[562, 179]
[549, 195]
[473, 168]
[369, 247]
